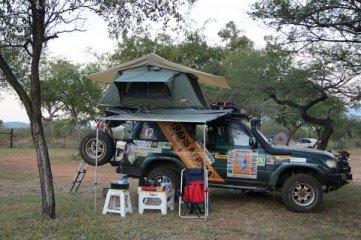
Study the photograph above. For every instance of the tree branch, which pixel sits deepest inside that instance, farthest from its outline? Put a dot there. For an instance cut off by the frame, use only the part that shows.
(12, 80)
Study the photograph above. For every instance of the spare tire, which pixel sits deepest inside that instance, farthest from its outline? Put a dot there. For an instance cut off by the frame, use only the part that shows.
(106, 148)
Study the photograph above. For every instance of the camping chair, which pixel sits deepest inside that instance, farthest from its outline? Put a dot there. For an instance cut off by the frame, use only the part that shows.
(193, 193)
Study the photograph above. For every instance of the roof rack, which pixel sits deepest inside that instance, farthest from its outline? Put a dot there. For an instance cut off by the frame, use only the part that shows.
(236, 109)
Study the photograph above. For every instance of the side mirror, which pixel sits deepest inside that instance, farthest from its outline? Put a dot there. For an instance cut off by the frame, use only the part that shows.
(256, 123)
(252, 142)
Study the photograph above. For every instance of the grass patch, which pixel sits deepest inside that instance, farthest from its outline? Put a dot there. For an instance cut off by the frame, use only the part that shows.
(56, 154)
(17, 151)
(9, 174)
(233, 214)
(64, 155)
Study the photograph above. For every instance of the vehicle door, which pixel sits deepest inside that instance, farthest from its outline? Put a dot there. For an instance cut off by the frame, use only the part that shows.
(238, 158)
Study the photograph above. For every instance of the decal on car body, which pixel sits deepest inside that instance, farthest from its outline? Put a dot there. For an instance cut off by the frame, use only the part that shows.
(190, 153)
(242, 163)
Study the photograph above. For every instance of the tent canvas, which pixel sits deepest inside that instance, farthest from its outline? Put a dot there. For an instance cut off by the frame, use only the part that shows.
(152, 59)
(149, 87)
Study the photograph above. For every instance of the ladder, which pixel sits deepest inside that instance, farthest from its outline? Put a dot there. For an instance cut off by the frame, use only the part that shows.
(79, 176)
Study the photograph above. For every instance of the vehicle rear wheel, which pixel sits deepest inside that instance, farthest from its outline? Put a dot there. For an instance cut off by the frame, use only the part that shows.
(106, 148)
(160, 174)
(301, 193)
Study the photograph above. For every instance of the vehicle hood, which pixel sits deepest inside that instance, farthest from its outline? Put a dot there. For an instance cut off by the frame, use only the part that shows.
(303, 152)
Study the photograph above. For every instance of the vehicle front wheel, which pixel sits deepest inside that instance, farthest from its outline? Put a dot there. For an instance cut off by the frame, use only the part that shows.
(160, 174)
(88, 149)
(301, 193)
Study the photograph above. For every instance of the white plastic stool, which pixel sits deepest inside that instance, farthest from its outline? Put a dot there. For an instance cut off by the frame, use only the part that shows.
(155, 200)
(124, 199)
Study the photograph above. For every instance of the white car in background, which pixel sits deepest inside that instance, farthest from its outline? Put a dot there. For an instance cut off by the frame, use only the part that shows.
(306, 142)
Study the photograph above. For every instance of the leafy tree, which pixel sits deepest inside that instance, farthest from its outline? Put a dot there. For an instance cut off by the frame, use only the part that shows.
(313, 21)
(327, 34)
(316, 83)
(230, 34)
(249, 71)
(308, 87)
(65, 89)
(330, 27)
(27, 26)
(49, 94)
(136, 46)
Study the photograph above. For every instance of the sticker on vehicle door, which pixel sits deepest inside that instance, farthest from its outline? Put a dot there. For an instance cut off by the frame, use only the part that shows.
(242, 163)
(261, 161)
(191, 153)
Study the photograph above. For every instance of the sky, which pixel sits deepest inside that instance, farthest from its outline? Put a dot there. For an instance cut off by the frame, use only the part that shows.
(75, 46)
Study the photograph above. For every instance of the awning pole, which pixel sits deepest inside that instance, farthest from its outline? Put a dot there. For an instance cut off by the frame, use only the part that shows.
(96, 166)
(205, 173)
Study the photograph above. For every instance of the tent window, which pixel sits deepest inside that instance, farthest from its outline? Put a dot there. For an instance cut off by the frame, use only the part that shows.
(144, 90)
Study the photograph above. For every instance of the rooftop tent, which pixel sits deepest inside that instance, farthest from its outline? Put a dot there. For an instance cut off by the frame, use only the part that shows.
(154, 87)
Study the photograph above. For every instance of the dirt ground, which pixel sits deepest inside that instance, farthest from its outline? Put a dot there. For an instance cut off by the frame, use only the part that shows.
(65, 171)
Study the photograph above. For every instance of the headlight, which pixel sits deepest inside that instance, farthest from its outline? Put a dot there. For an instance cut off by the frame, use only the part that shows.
(331, 163)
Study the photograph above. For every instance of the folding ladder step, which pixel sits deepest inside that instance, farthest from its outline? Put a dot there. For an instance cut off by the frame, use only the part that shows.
(79, 176)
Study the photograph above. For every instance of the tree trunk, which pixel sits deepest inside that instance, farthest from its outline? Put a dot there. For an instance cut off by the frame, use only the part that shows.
(46, 177)
(325, 135)
(326, 123)
(77, 126)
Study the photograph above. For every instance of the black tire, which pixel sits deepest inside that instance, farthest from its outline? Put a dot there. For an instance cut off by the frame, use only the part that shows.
(157, 175)
(106, 148)
(301, 193)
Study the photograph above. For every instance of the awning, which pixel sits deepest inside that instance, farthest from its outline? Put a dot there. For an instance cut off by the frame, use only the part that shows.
(185, 116)
(107, 76)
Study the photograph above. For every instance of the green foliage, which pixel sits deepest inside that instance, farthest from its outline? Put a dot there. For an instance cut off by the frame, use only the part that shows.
(123, 16)
(234, 41)
(324, 33)
(137, 46)
(347, 128)
(252, 73)
(67, 91)
(303, 92)
(312, 20)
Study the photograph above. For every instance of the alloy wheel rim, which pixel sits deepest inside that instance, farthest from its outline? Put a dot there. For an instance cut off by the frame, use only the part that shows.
(91, 148)
(303, 194)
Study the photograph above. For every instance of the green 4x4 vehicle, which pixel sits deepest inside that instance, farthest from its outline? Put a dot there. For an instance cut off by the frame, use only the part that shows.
(237, 155)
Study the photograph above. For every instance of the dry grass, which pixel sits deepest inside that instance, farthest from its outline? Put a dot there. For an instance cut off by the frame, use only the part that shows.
(233, 215)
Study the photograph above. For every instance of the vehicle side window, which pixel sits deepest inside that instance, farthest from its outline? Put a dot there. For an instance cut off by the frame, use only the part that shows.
(151, 131)
(239, 137)
(218, 135)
